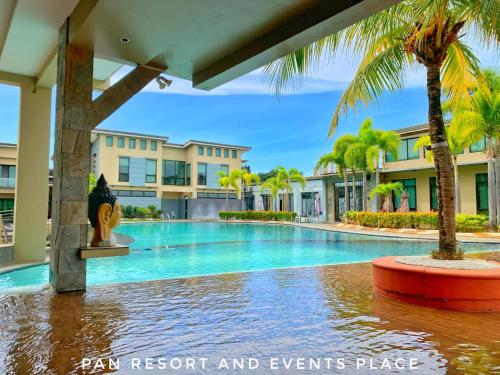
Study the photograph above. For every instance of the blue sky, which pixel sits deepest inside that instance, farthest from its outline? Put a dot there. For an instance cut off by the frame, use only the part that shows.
(290, 130)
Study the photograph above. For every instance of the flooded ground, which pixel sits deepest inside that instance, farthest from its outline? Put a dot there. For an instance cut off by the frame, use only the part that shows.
(312, 313)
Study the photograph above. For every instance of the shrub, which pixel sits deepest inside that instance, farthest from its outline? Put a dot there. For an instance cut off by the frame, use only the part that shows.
(414, 220)
(129, 211)
(257, 215)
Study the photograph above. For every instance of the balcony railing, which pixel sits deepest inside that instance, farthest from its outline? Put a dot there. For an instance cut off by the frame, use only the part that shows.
(7, 182)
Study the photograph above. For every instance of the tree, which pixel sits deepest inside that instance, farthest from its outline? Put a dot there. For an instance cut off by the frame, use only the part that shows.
(274, 184)
(390, 42)
(287, 177)
(92, 181)
(246, 179)
(355, 157)
(386, 191)
(228, 181)
(482, 119)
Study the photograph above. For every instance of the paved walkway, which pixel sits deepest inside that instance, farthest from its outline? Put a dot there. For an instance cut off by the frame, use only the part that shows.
(481, 237)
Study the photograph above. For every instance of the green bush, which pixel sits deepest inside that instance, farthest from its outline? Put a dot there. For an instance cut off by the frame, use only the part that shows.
(128, 212)
(258, 215)
(414, 220)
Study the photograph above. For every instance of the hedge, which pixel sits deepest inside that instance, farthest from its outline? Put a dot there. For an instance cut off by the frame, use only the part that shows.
(414, 220)
(258, 215)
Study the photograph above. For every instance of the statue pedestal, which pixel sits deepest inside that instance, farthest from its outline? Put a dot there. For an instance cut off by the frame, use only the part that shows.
(101, 252)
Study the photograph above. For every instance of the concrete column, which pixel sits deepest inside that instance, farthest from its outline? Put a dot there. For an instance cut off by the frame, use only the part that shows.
(32, 176)
(71, 165)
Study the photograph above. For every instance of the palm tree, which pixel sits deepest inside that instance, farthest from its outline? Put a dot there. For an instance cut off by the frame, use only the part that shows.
(287, 177)
(274, 184)
(482, 119)
(389, 42)
(458, 137)
(228, 181)
(246, 179)
(355, 157)
(386, 191)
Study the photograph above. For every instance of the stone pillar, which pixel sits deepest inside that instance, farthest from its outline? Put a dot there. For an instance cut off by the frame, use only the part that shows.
(71, 165)
(32, 176)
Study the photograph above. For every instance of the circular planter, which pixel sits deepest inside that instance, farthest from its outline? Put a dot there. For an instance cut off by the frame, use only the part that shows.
(442, 288)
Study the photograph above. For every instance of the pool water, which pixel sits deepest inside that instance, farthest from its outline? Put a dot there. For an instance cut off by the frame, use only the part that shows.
(177, 250)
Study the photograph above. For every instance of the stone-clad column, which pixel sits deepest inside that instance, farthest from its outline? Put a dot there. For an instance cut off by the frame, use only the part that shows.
(71, 165)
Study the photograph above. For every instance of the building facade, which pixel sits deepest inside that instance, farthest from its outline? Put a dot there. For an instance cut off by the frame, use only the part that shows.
(8, 155)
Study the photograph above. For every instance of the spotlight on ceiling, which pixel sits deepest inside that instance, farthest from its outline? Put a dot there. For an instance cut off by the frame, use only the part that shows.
(163, 82)
(124, 39)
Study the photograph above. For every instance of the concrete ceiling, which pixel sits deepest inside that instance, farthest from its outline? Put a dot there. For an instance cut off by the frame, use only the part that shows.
(208, 42)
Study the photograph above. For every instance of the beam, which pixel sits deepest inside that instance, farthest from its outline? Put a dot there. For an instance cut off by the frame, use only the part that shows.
(15, 79)
(114, 97)
(325, 18)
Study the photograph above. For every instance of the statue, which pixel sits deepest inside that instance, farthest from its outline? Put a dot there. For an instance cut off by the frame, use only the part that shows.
(104, 214)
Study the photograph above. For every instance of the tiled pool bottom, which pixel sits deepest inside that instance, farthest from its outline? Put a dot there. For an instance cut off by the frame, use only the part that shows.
(316, 312)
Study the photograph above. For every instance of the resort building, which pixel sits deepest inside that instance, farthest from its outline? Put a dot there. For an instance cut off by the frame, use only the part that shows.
(147, 170)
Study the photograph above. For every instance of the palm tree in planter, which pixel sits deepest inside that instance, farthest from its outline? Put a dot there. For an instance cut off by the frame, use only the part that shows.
(412, 32)
(247, 179)
(386, 191)
(274, 184)
(482, 119)
(229, 181)
(287, 177)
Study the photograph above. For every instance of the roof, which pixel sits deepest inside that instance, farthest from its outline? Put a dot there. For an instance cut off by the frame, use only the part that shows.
(126, 133)
(209, 43)
(204, 143)
(416, 128)
(4, 144)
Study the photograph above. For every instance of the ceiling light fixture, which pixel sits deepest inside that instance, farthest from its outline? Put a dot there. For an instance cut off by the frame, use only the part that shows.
(124, 39)
(163, 82)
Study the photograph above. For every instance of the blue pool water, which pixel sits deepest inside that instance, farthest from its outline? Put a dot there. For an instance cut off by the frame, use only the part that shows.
(174, 250)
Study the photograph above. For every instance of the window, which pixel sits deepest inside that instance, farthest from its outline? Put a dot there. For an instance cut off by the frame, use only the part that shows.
(134, 193)
(120, 142)
(143, 144)
(234, 154)
(131, 143)
(109, 140)
(482, 193)
(154, 146)
(217, 195)
(308, 207)
(224, 168)
(410, 185)
(217, 152)
(479, 145)
(226, 153)
(6, 204)
(188, 174)
(209, 151)
(202, 174)
(406, 151)
(200, 150)
(7, 176)
(173, 172)
(151, 171)
(123, 172)
(433, 193)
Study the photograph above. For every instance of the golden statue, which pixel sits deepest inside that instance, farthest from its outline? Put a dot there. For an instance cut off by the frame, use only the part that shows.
(104, 214)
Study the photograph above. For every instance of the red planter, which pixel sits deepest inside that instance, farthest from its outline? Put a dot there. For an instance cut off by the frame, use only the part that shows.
(451, 289)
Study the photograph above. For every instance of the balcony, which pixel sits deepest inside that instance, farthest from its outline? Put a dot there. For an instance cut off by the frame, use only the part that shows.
(7, 182)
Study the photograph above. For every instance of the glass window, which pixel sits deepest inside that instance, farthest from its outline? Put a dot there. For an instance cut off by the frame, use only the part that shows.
(406, 151)
(143, 144)
(482, 193)
(217, 152)
(154, 146)
(173, 172)
(188, 174)
(8, 176)
(433, 193)
(6, 204)
(200, 150)
(224, 168)
(410, 185)
(234, 154)
(209, 151)
(131, 143)
(202, 174)
(109, 140)
(120, 142)
(151, 171)
(123, 172)
(479, 145)
(226, 153)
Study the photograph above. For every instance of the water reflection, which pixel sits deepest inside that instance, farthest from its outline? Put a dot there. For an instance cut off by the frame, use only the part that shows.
(307, 312)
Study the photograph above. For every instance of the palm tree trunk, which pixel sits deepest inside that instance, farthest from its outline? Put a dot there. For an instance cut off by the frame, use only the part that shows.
(377, 183)
(365, 192)
(346, 192)
(242, 195)
(445, 180)
(497, 178)
(227, 199)
(492, 201)
(458, 204)
(354, 190)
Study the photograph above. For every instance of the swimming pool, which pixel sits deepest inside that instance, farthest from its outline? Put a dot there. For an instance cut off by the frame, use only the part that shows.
(176, 250)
